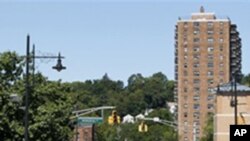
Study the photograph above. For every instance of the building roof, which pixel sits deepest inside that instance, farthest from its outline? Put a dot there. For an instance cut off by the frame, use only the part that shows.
(227, 87)
(203, 16)
(128, 119)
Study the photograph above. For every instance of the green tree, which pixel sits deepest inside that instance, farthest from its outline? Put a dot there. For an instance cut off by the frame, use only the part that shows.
(208, 131)
(50, 111)
(50, 106)
(11, 126)
(246, 80)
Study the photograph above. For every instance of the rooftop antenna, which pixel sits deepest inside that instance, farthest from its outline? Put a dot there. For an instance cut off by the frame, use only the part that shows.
(202, 10)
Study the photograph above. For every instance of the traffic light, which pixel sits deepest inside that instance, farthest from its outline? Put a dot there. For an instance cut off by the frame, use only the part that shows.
(110, 120)
(114, 118)
(143, 127)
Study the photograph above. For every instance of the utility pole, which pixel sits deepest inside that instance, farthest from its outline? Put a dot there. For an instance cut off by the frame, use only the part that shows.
(235, 100)
(27, 89)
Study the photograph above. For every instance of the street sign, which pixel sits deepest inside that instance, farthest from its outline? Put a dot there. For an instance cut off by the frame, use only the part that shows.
(89, 120)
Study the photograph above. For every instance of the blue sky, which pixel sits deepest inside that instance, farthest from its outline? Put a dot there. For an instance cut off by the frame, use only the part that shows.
(119, 37)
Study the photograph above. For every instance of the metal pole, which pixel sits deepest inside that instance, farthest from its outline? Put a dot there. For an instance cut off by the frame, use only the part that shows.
(27, 89)
(33, 66)
(77, 133)
(103, 114)
(235, 100)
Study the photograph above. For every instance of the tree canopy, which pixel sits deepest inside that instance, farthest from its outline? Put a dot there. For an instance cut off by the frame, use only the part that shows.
(52, 102)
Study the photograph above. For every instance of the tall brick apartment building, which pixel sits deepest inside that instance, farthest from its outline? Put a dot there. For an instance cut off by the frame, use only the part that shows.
(207, 53)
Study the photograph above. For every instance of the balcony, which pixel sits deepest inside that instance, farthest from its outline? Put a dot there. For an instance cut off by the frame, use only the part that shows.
(233, 55)
(233, 40)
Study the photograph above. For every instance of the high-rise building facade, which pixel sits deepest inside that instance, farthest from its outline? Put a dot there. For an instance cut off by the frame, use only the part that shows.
(207, 53)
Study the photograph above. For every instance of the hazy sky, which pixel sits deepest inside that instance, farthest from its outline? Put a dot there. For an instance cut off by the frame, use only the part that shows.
(118, 37)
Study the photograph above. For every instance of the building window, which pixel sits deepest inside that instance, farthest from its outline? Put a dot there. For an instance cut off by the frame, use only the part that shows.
(196, 57)
(221, 73)
(196, 24)
(196, 73)
(210, 90)
(196, 81)
(210, 40)
(210, 73)
(196, 122)
(210, 49)
(210, 81)
(221, 40)
(210, 97)
(185, 65)
(196, 115)
(210, 57)
(196, 106)
(185, 81)
(185, 123)
(221, 81)
(185, 49)
(210, 32)
(196, 40)
(196, 90)
(221, 65)
(185, 57)
(185, 39)
(221, 48)
(185, 90)
(196, 31)
(185, 106)
(221, 57)
(196, 49)
(185, 31)
(185, 43)
(210, 24)
(185, 115)
(197, 132)
(196, 65)
(196, 97)
(210, 65)
(185, 73)
(210, 106)
(185, 25)
(185, 97)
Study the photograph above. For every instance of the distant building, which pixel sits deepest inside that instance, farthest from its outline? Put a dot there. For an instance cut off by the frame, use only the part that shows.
(84, 133)
(207, 53)
(172, 106)
(128, 119)
(138, 117)
(224, 111)
(84, 128)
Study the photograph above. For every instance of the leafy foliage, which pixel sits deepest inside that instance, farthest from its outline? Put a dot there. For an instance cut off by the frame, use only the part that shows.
(52, 102)
(246, 80)
(209, 129)
(50, 106)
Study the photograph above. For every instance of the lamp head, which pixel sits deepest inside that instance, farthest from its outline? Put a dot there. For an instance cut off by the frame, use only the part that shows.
(59, 65)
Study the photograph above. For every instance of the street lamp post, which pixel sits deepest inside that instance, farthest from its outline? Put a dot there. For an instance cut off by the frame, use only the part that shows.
(28, 57)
